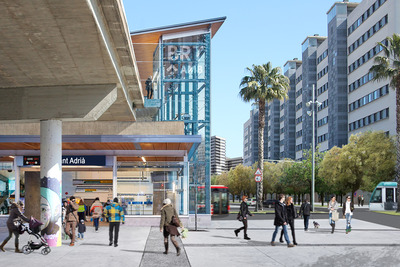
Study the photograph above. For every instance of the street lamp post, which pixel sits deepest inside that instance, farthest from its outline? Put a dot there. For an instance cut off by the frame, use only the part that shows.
(313, 103)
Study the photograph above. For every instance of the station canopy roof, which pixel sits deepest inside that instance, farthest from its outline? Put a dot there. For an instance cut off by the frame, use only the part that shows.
(129, 148)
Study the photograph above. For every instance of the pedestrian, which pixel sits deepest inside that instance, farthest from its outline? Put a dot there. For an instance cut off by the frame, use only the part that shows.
(13, 224)
(305, 211)
(81, 229)
(108, 203)
(291, 215)
(115, 215)
(149, 87)
(96, 210)
(71, 219)
(333, 213)
(242, 216)
(166, 226)
(281, 220)
(359, 200)
(81, 210)
(362, 200)
(348, 207)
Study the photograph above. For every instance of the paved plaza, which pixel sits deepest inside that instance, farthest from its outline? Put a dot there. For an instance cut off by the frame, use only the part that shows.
(367, 245)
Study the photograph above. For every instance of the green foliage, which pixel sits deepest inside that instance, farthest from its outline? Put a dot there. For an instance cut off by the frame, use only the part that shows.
(264, 84)
(294, 179)
(388, 64)
(366, 160)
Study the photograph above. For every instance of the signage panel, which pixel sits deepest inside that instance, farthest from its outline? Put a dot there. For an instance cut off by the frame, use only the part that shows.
(70, 160)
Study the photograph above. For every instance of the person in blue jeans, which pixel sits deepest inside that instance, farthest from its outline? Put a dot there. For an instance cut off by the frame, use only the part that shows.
(332, 207)
(348, 207)
(281, 220)
(305, 211)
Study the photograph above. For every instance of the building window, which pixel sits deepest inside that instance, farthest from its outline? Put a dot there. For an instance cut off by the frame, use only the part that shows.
(380, 115)
(322, 89)
(323, 138)
(299, 79)
(299, 92)
(369, 98)
(379, 25)
(299, 147)
(323, 56)
(299, 106)
(361, 81)
(322, 121)
(322, 73)
(324, 104)
(367, 56)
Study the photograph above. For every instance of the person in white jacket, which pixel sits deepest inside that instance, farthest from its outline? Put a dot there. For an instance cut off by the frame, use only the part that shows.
(332, 207)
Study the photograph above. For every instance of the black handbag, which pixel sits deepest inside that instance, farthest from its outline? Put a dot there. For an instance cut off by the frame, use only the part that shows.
(239, 217)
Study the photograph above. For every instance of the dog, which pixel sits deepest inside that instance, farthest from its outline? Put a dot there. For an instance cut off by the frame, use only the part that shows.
(316, 225)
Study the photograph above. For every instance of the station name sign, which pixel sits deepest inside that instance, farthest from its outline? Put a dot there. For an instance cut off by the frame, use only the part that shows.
(70, 160)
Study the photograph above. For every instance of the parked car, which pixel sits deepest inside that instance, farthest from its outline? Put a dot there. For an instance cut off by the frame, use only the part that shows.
(251, 201)
(270, 203)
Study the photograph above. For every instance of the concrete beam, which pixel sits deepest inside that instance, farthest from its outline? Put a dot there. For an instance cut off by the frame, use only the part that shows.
(100, 128)
(73, 102)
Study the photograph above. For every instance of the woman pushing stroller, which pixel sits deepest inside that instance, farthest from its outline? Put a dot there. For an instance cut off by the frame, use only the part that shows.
(13, 224)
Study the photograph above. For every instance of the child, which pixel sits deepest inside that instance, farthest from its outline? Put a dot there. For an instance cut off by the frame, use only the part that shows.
(81, 229)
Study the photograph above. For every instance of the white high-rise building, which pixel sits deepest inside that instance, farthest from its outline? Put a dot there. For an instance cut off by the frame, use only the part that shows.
(218, 155)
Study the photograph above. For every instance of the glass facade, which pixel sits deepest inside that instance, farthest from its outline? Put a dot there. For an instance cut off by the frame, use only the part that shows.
(142, 187)
(181, 72)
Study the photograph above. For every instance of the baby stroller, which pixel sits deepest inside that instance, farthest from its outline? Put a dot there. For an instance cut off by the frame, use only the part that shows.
(33, 230)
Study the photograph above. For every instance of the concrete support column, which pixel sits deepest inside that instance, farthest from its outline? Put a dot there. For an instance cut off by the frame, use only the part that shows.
(51, 180)
(17, 181)
(185, 186)
(115, 169)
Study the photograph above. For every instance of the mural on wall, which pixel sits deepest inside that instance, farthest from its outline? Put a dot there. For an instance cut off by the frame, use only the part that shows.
(50, 206)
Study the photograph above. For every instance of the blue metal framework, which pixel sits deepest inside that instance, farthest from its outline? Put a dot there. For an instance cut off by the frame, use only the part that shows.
(182, 83)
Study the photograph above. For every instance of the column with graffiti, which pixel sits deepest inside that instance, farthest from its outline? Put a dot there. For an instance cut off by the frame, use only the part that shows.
(50, 180)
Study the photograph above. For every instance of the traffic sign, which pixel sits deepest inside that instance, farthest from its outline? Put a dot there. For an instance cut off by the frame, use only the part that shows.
(258, 178)
(258, 172)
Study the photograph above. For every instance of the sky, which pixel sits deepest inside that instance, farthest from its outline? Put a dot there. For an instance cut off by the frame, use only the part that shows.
(254, 32)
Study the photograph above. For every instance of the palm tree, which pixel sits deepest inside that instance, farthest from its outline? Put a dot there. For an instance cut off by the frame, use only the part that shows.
(264, 84)
(388, 67)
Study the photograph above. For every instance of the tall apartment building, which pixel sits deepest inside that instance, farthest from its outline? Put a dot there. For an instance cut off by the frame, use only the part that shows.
(288, 113)
(371, 105)
(218, 154)
(338, 66)
(250, 138)
(299, 113)
(233, 162)
(272, 133)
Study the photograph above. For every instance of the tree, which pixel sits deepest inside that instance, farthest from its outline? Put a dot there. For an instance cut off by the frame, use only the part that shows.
(366, 160)
(388, 67)
(271, 175)
(294, 179)
(264, 84)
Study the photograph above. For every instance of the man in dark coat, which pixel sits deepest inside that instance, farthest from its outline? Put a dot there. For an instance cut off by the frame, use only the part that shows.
(305, 211)
(15, 213)
(243, 214)
(281, 220)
